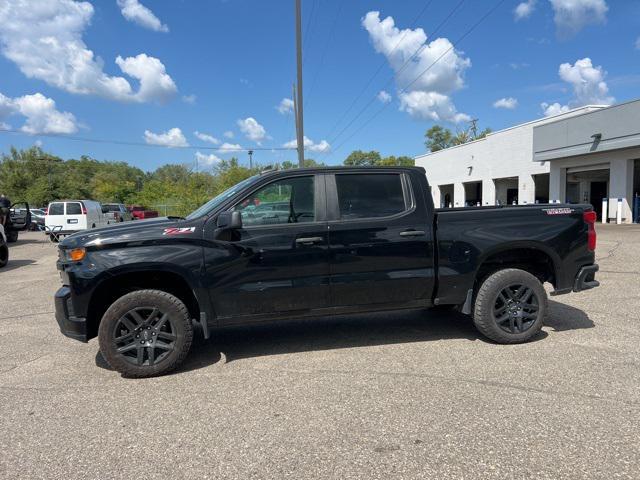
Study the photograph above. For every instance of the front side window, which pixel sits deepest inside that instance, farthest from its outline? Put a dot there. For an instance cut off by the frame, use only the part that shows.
(286, 201)
(370, 195)
(74, 209)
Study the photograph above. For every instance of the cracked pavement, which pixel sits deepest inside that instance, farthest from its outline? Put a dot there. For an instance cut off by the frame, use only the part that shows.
(411, 395)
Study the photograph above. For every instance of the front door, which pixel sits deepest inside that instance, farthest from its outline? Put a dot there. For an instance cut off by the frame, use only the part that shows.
(381, 247)
(279, 260)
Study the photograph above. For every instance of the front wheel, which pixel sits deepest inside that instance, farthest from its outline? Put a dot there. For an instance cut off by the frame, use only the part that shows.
(4, 253)
(145, 333)
(510, 306)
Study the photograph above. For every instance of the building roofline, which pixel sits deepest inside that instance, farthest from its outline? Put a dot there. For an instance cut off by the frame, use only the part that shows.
(530, 122)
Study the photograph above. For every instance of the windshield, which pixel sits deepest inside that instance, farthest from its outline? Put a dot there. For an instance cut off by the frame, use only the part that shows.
(217, 200)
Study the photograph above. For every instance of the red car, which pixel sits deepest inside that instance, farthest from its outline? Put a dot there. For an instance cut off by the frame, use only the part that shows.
(138, 212)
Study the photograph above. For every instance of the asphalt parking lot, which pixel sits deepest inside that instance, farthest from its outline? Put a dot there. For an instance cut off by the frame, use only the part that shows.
(417, 395)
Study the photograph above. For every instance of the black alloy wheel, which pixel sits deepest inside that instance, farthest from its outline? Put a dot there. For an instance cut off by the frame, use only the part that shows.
(516, 308)
(144, 336)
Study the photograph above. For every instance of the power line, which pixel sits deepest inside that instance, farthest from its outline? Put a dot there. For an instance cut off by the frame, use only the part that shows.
(453, 45)
(140, 144)
(308, 29)
(324, 51)
(378, 70)
(390, 80)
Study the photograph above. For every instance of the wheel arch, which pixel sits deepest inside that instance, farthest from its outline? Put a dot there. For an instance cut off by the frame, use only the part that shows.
(114, 286)
(533, 257)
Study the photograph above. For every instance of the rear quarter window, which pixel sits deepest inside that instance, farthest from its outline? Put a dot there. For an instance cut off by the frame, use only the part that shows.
(56, 209)
(74, 209)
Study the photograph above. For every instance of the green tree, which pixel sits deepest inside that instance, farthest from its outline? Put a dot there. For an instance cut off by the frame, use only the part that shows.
(359, 158)
(438, 138)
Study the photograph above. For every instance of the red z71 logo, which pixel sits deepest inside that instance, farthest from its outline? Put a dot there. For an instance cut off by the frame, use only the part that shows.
(179, 231)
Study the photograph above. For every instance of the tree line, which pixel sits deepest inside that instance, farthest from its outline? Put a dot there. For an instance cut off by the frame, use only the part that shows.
(38, 177)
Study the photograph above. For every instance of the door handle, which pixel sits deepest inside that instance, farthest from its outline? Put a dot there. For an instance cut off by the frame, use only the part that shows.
(412, 233)
(308, 240)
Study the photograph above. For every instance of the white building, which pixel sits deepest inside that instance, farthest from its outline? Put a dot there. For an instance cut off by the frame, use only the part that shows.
(580, 156)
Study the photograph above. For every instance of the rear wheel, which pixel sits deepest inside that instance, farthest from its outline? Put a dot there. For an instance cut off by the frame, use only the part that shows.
(510, 307)
(145, 333)
(12, 236)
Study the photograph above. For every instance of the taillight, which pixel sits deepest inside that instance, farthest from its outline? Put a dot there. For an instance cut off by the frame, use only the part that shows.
(84, 210)
(590, 219)
(46, 212)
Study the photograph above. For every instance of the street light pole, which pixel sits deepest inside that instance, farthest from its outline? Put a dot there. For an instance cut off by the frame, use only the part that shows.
(299, 112)
(251, 159)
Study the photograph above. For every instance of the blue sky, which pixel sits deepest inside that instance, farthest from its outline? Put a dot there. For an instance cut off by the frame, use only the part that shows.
(119, 68)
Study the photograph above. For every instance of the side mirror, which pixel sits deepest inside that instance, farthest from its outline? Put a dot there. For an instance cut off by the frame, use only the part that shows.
(229, 221)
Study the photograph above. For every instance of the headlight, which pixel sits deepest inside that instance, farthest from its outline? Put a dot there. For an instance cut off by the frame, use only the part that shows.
(75, 254)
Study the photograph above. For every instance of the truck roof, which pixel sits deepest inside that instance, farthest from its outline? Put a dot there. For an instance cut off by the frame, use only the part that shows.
(342, 168)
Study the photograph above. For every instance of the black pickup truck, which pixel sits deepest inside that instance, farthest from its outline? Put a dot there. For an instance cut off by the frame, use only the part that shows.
(311, 243)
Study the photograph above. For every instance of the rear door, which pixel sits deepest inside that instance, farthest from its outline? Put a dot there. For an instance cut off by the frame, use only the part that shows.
(75, 216)
(380, 242)
(55, 217)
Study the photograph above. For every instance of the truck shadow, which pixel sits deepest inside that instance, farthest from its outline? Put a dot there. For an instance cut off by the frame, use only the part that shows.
(13, 264)
(237, 343)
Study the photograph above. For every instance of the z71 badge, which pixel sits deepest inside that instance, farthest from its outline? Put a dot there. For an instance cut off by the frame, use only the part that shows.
(179, 231)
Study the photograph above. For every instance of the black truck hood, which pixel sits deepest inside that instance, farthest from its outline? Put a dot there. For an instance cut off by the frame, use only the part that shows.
(134, 231)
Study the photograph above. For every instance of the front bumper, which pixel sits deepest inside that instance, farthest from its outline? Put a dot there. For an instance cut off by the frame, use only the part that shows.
(70, 325)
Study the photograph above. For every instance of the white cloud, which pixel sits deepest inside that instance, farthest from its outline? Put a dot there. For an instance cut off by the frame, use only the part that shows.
(44, 39)
(384, 96)
(171, 138)
(228, 134)
(524, 9)
(190, 99)
(637, 43)
(309, 145)
(5, 126)
(207, 160)
(230, 147)
(509, 103)
(155, 84)
(588, 84)
(40, 113)
(570, 16)
(205, 137)
(252, 129)
(285, 106)
(553, 109)
(431, 106)
(135, 12)
(427, 97)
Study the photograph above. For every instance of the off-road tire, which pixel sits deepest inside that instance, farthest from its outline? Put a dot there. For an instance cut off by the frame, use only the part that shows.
(4, 253)
(166, 303)
(487, 298)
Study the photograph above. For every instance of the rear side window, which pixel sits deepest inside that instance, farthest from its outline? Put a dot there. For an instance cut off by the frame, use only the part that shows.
(74, 209)
(370, 195)
(56, 209)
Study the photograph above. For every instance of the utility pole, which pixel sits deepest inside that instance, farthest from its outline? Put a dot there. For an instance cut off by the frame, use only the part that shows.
(474, 128)
(251, 159)
(298, 98)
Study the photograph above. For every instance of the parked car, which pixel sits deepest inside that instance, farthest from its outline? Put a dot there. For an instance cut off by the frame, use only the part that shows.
(117, 212)
(139, 212)
(70, 216)
(17, 220)
(354, 240)
(37, 219)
